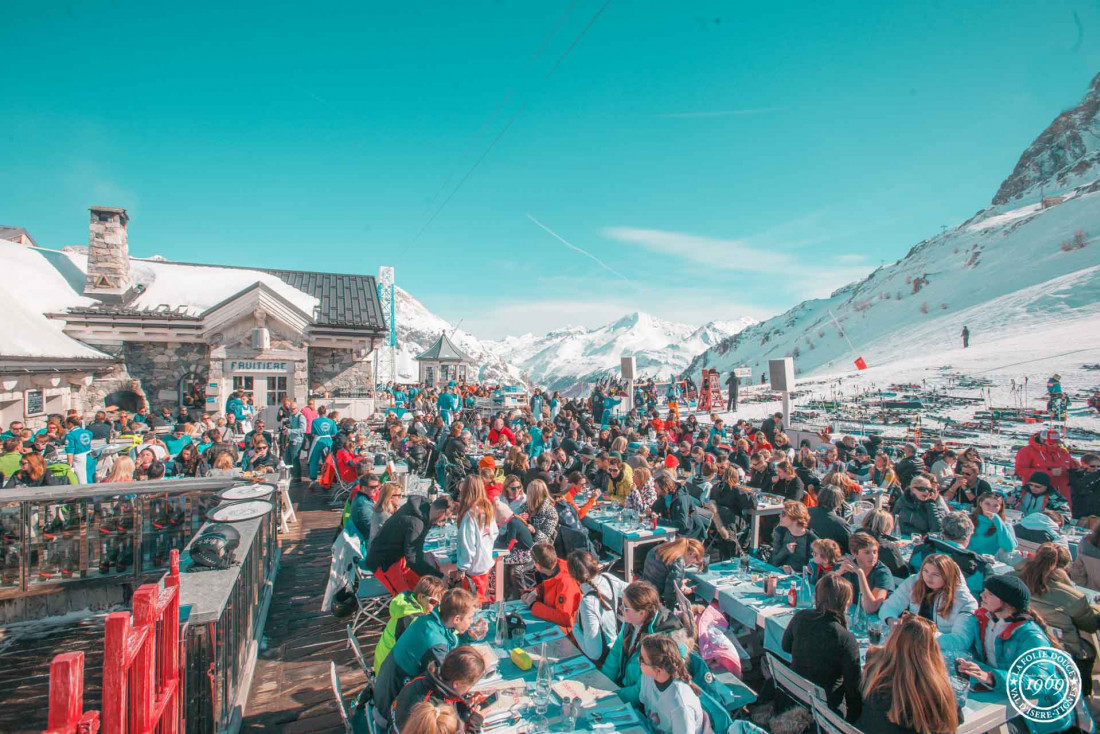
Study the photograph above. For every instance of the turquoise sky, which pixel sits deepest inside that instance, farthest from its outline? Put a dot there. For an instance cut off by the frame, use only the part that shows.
(719, 158)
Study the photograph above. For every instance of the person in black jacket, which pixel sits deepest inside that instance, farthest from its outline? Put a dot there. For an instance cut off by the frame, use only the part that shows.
(451, 682)
(909, 466)
(396, 556)
(732, 501)
(824, 520)
(771, 425)
(666, 564)
(1084, 486)
(675, 507)
(822, 648)
(740, 455)
(919, 510)
(786, 483)
(792, 537)
(761, 475)
(804, 470)
(879, 524)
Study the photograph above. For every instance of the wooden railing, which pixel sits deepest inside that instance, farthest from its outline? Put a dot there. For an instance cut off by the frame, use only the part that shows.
(142, 669)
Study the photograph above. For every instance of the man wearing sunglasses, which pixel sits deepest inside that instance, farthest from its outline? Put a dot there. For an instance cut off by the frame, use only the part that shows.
(965, 486)
(1084, 485)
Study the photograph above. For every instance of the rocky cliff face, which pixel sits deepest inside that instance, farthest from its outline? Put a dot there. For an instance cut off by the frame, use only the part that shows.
(1065, 154)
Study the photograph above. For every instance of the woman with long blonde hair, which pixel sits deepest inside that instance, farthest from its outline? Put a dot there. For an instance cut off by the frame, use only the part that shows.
(906, 682)
(389, 500)
(121, 471)
(938, 593)
(539, 513)
(477, 530)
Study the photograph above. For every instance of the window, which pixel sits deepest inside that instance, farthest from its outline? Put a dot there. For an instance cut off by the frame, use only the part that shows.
(243, 384)
(429, 375)
(276, 390)
(192, 391)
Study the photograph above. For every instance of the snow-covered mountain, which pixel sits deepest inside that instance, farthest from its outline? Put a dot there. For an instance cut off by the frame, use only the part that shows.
(418, 328)
(1029, 263)
(568, 357)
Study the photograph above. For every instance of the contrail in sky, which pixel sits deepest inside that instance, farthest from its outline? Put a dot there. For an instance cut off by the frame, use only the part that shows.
(587, 254)
(722, 113)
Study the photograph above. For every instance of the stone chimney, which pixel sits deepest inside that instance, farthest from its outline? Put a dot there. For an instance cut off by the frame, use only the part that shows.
(109, 277)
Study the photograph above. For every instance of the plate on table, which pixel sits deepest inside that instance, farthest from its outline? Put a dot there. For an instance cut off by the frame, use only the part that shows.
(246, 492)
(240, 511)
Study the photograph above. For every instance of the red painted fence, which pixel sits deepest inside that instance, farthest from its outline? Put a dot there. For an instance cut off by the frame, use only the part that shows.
(142, 669)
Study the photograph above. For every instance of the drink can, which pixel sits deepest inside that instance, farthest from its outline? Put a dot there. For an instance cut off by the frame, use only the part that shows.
(770, 583)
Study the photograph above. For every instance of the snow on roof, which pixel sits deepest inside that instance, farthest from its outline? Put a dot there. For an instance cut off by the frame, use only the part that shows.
(31, 287)
(444, 350)
(196, 287)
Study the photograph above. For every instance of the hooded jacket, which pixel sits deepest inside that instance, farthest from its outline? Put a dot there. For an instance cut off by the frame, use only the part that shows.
(426, 640)
(1038, 528)
(597, 625)
(558, 598)
(677, 510)
(666, 577)
(1029, 503)
(404, 609)
(1040, 455)
(1065, 607)
(402, 536)
(825, 652)
(974, 567)
(917, 517)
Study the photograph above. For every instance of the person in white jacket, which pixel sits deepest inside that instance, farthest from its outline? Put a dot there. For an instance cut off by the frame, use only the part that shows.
(938, 593)
(477, 531)
(669, 698)
(597, 622)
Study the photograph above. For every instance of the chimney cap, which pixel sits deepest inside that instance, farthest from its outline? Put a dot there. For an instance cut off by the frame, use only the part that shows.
(111, 209)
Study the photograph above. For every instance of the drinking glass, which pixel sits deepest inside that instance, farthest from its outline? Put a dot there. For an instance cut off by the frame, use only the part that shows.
(874, 633)
(961, 687)
(745, 564)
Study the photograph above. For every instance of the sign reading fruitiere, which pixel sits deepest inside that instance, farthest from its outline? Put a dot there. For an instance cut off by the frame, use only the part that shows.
(233, 366)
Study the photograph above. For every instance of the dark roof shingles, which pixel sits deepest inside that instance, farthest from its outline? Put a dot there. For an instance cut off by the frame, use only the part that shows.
(346, 300)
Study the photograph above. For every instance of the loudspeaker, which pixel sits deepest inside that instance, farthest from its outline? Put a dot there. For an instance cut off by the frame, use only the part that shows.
(627, 367)
(781, 373)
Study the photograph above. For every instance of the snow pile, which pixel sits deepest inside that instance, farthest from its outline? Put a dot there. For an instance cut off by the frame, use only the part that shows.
(566, 358)
(1009, 270)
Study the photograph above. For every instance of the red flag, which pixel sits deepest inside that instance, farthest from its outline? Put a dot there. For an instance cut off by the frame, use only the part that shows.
(860, 364)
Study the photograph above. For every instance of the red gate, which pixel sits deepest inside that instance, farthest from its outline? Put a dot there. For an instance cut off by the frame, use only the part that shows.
(142, 669)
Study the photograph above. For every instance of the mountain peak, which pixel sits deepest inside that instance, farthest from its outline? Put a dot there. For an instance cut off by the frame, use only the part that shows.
(1064, 155)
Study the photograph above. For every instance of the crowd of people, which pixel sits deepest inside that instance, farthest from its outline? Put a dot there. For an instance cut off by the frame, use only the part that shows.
(520, 481)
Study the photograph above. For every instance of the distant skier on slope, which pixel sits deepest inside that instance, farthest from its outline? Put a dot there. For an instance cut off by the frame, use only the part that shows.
(966, 336)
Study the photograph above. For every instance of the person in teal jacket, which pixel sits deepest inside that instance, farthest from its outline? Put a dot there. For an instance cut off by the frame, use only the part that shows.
(996, 635)
(427, 640)
(536, 446)
(992, 533)
(609, 404)
(447, 402)
(399, 397)
(642, 615)
(323, 429)
(235, 406)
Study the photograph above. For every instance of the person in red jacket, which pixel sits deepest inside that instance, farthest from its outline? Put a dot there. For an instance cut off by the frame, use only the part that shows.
(558, 596)
(500, 431)
(1048, 456)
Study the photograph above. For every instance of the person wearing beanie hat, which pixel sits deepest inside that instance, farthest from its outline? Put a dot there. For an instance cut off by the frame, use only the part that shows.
(671, 462)
(1039, 494)
(1002, 630)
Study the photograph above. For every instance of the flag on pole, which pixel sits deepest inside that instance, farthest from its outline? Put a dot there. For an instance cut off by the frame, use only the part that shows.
(860, 364)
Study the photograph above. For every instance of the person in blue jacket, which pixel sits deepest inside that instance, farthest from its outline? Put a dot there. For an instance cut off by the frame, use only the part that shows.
(78, 445)
(537, 401)
(536, 446)
(447, 403)
(996, 635)
(399, 397)
(235, 406)
(609, 404)
(993, 533)
(323, 429)
(642, 615)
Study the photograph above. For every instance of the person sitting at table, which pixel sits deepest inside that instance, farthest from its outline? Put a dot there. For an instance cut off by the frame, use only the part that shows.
(1002, 630)
(666, 565)
(1039, 527)
(761, 475)
(965, 486)
(189, 463)
(449, 683)
(597, 621)
(937, 592)
(427, 640)
(512, 492)
(396, 554)
(620, 479)
(433, 718)
(675, 508)
(879, 524)
(1040, 494)
(642, 615)
(870, 579)
(993, 533)
(954, 542)
(906, 688)
(792, 537)
(576, 483)
(822, 648)
(539, 513)
(667, 696)
(1063, 606)
(572, 534)
(825, 522)
(558, 594)
(644, 494)
(824, 557)
(404, 609)
(518, 540)
(261, 460)
(477, 532)
(1086, 566)
(733, 502)
(786, 483)
(387, 502)
(918, 511)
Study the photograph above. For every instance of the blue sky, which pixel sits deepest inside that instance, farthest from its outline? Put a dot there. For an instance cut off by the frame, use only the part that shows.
(719, 159)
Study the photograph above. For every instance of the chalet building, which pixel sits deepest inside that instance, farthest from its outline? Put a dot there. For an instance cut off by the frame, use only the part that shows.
(98, 327)
(443, 362)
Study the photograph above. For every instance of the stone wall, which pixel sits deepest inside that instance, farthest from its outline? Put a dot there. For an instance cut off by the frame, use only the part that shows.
(158, 367)
(108, 255)
(332, 370)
